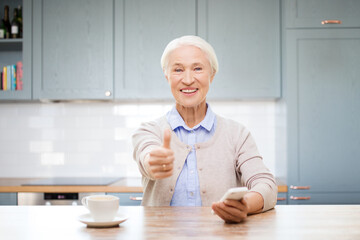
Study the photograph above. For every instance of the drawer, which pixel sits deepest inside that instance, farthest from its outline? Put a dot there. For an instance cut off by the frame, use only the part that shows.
(282, 199)
(305, 197)
(311, 13)
(128, 199)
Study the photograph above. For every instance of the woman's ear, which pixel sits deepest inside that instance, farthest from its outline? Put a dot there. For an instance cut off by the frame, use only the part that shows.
(167, 78)
(212, 76)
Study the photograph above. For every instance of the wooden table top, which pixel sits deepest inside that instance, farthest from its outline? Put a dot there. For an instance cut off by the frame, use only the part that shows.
(283, 222)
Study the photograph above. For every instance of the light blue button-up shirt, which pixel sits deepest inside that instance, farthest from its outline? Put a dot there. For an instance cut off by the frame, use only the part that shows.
(187, 189)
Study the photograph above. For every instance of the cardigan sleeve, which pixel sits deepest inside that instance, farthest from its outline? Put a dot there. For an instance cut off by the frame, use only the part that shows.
(252, 171)
(145, 139)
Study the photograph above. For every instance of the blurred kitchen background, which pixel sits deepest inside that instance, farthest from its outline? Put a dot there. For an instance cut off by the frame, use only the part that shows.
(81, 75)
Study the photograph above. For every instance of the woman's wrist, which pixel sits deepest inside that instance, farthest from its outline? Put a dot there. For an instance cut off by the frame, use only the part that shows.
(255, 202)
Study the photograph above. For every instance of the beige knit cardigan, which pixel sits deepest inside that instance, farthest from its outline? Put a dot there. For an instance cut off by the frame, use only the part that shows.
(228, 159)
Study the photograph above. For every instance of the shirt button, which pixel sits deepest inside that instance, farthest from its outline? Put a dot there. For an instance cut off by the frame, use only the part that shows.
(192, 172)
(191, 193)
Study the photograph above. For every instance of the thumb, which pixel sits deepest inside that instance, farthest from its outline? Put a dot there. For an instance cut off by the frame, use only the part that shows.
(167, 138)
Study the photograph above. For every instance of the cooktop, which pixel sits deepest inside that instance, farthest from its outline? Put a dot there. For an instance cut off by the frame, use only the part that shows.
(71, 181)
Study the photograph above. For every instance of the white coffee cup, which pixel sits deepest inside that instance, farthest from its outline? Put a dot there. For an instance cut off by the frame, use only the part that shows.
(102, 207)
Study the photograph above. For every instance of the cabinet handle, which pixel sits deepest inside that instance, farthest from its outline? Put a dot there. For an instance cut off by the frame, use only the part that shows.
(108, 93)
(300, 187)
(135, 198)
(281, 198)
(299, 198)
(330, 22)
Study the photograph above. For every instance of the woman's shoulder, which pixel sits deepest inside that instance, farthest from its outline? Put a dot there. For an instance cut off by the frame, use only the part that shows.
(234, 131)
(230, 124)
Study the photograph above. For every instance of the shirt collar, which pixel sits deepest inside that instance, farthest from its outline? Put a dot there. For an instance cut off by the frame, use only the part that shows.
(175, 120)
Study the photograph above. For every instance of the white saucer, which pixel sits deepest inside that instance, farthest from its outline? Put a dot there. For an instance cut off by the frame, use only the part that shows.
(90, 222)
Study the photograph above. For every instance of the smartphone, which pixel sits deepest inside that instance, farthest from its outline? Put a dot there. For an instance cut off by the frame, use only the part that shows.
(235, 193)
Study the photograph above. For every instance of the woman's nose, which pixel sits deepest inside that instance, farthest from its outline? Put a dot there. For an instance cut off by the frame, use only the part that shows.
(188, 78)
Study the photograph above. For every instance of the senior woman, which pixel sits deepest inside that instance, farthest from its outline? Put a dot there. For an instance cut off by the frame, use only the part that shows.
(192, 156)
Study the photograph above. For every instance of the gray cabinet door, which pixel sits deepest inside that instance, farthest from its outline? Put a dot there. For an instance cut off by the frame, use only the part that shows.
(8, 198)
(323, 99)
(311, 13)
(14, 50)
(73, 49)
(128, 198)
(246, 37)
(142, 30)
(306, 198)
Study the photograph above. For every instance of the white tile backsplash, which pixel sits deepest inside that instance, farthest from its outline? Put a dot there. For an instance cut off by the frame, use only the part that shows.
(94, 139)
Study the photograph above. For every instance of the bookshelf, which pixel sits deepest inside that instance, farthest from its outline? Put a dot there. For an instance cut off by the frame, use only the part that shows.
(14, 50)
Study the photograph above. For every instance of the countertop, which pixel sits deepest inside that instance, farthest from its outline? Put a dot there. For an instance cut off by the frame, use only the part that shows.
(283, 222)
(123, 185)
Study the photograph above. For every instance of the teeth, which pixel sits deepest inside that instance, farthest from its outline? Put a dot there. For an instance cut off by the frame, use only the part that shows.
(188, 90)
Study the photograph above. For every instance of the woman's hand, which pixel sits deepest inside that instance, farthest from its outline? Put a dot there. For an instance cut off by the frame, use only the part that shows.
(159, 162)
(233, 211)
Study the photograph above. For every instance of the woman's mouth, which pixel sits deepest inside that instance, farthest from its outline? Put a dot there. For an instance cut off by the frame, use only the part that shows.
(189, 90)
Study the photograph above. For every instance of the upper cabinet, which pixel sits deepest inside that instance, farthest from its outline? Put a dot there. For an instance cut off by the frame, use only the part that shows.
(246, 38)
(17, 50)
(111, 49)
(73, 49)
(142, 30)
(322, 13)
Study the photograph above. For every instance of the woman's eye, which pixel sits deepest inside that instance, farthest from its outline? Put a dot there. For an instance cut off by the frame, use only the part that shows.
(198, 69)
(178, 70)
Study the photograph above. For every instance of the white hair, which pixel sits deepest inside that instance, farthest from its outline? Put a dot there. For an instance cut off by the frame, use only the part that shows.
(190, 40)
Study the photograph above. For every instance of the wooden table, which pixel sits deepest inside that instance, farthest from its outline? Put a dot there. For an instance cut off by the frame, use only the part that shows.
(284, 222)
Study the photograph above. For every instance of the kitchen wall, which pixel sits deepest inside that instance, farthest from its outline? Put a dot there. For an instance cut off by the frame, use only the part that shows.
(94, 139)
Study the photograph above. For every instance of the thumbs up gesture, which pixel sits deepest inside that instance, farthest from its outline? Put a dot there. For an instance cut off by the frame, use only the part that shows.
(159, 163)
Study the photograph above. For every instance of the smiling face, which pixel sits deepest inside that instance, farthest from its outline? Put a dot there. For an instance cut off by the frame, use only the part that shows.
(189, 74)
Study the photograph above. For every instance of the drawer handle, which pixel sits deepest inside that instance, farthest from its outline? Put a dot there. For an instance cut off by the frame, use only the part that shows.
(281, 198)
(300, 187)
(135, 198)
(299, 198)
(330, 22)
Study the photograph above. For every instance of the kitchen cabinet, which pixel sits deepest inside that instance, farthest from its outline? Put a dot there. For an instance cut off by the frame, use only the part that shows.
(128, 199)
(111, 49)
(8, 198)
(142, 31)
(73, 49)
(14, 50)
(282, 198)
(246, 37)
(311, 14)
(306, 198)
(323, 102)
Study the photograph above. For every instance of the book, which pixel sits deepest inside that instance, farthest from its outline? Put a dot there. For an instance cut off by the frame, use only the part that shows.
(19, 76)
(1, 81)
(4, 79)
(8, 78)
(13, 77)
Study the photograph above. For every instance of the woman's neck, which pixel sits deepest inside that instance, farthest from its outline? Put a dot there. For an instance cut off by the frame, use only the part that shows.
(192, 116)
